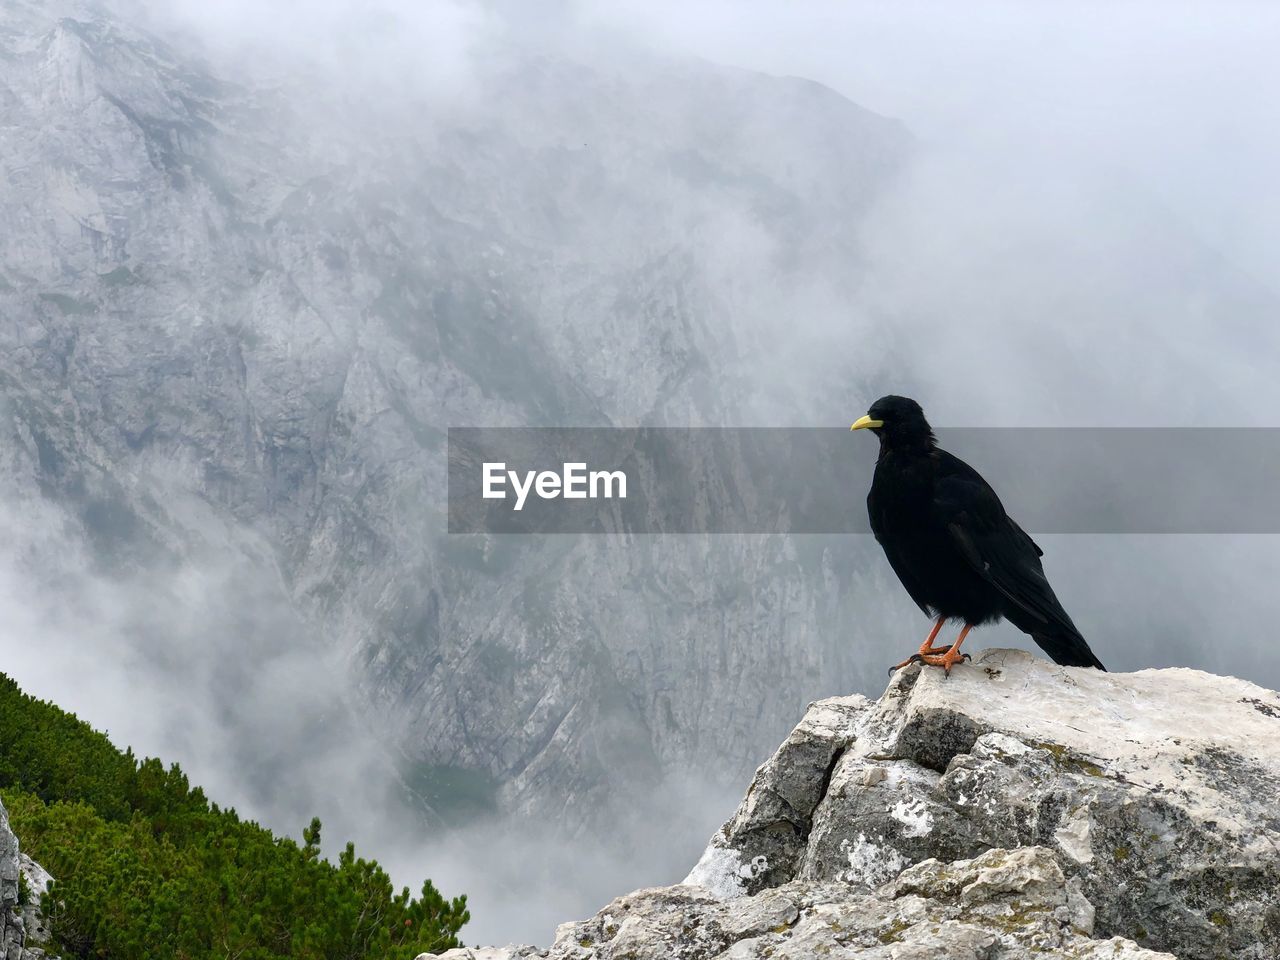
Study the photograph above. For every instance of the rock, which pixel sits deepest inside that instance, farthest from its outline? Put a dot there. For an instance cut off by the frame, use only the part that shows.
(1004, 903)
(482, 953)
(22, 927)
(12, 931)
(508, 952)
(38, 880)
(772, 826)
(1017, 809)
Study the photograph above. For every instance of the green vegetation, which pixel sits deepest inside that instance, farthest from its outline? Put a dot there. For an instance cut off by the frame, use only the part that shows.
(147, 868)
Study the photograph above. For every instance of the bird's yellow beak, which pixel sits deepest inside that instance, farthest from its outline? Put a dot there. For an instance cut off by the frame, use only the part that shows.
(866, 422)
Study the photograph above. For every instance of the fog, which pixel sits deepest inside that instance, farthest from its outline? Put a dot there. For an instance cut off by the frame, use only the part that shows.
(1166, 99)
(1086, 234)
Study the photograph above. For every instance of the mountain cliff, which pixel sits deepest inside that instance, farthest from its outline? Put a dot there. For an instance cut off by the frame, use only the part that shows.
(238, 312)
(1016, 810)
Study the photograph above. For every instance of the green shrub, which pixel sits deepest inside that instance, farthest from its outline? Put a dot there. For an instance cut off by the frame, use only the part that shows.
(146, 867)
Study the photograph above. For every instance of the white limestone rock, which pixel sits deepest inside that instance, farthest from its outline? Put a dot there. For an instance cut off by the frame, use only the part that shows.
(483, 953)
(38, 880)
(1016, 810)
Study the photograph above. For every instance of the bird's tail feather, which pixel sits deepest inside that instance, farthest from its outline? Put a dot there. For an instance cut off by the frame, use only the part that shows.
(1067, 647)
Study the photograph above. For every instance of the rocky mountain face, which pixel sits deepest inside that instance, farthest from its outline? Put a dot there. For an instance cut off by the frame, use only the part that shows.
(238, 314)
(1017, 809)
(22, 929)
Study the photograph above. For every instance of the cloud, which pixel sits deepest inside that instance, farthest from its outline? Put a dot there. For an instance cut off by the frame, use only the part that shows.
(1170, 94)
(424, 52)
(202, 662)
(1087, 235)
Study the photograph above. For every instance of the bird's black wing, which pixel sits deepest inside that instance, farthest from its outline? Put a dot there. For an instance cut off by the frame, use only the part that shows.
(906, 573)
(1004, 555)
(991, 543)
(898, 560)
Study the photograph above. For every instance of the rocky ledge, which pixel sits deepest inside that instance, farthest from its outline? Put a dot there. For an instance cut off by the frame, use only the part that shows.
(1017, 809)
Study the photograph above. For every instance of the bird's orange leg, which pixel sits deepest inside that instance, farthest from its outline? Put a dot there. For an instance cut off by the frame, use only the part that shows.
(951, 656)
(926, 649)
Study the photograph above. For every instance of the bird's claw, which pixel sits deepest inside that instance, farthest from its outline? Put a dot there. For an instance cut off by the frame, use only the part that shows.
(946, 667)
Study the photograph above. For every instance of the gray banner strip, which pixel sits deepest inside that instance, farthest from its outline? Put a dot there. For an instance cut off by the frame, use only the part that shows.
(815, 480)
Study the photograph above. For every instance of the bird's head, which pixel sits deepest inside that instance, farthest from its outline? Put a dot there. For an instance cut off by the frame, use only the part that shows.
(897, 421)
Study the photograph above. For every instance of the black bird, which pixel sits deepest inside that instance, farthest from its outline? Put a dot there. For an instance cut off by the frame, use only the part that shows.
(947, 537)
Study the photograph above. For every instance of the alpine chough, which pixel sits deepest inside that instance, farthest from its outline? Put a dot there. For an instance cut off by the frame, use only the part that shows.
(949, 540)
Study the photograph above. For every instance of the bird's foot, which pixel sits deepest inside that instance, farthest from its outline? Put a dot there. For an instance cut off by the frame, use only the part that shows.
(944, 657)
(947, 660)
(923, 656)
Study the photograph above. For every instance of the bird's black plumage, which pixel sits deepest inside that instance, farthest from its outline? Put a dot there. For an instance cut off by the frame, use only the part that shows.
(949, 540)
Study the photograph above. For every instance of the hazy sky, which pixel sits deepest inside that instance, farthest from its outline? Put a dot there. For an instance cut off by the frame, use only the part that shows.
(1176, 95)
(1077, 166)
(1087, 235)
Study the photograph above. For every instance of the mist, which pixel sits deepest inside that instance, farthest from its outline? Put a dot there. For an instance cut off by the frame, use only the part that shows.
(1084, 232)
